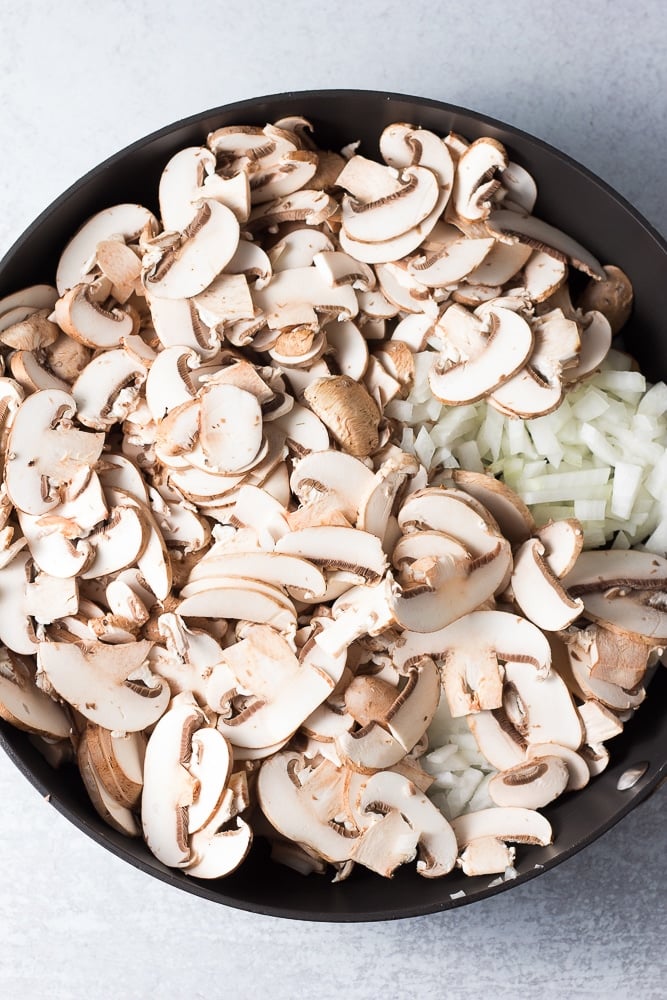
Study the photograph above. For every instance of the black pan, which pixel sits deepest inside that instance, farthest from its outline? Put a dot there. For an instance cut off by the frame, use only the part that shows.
(569, 197)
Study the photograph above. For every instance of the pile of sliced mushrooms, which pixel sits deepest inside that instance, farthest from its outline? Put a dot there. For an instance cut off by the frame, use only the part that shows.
(226, 593)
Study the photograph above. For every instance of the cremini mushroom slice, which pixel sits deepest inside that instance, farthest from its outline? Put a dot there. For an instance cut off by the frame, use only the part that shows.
(543, 273)
(403, 145)
(476, 180)
(279, 692)
(512, 227)
(456, 258)
(24, 705)
(503, 746)
(532, 784)
(297, 295)
(83, 313)
(113, 812)
(596, 337)
(509, 823)
(33, 297)
(33, 333)
(541, 708)
(509, 345)
(537, 591)
(48, 458)
(600, 723)
(32, 375)
(247, 600)
(190, 177)
(513, 516)
(335, 547)
(230, 427)
(119, 762)
(78, 257)
(108, 684)
(563, 541)
(169, 787)
(48, 598)
(471, 649)
(177, 323)
(198, 256)
(274, 568)
(437, 847)
(106, 389)
(309, 206)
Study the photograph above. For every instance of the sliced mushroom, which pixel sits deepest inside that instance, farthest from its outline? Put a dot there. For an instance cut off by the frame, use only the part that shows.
(612, 296)
(510, 227)
(486, 856)
(537, 590)
(23, 704)
(532, 784)
(513, 823)
(106, 683)
(126, 221)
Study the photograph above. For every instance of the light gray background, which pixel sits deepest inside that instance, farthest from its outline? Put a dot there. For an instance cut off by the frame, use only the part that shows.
(78, 81)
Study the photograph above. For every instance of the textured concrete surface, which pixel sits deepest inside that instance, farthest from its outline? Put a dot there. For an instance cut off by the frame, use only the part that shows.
(79, 81)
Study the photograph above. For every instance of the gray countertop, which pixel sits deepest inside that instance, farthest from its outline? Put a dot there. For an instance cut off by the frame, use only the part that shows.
(78, 82)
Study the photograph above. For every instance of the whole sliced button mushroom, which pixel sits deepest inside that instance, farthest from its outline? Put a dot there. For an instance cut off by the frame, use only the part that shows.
(455, 259)
(106, 683)
(537, 591)
(531, 784)
(498, 740)
(471, 650)
(126, 221)
(203, 249)
(475, 180)
(83, 314)
(507, 349)
(437, 848)
(47, 456)
(106, 389)
(169, 787)
(540, 707)
(508, 823)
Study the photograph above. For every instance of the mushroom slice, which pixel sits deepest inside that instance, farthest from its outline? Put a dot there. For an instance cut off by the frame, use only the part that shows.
(188, 178)
(24, 705)
(596, 337)
(621, 659)
(119, 762)
(124, 221)
(106, 389)
(543, 273)
(335, 547)
(437, 847)
(120, 265)
(348, 348)
(117, 543)
(509, 345)
(177, 323)
(290, 796)
(512, 823)
(604, 569)
(267, 567)
(471, 649)
(116, 815)
(518, 186)
(32, 375)
(500, 264)
(225, 300)
(246, 600)
(526, 395)
(203, 249)
(349, 412)
(278, 691)
(612, 296)
(82, 314)
(210, 765)
(531, 784)
(397, 727)
(339, 268)
(599, 722)
(458, 588)
(537, 591)
(298, 248)
(540, 707)
(230, 427)
(387, 251)
(53, 551)
(33, 333)
(404, 146)
(563, 541)
(577, 768)
(108, 684)
(512, 227)
(453, 512)
(297, 295)
(474, 180)
(34, 297)
(47, 457)
(376, 506)
(498, 740)
(513, 516)
(169, 383)
(583, 653)
(309, 206)
(456, 258)
(169, 787)
(48, 598)
(486, 856)
(218, 852)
